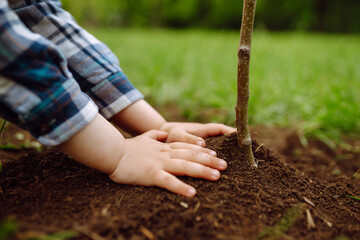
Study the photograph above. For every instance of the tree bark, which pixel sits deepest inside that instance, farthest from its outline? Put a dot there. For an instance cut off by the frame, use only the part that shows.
(241, 108)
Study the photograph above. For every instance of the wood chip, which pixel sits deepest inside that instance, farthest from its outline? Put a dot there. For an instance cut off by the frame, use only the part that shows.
(310, 220)
(308, 201)
(147, 233)
(197, 206)
(184, 204)
(105, 210)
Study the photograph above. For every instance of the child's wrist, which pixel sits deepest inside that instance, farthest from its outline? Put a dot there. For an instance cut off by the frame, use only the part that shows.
(138, 118)
(99, 145)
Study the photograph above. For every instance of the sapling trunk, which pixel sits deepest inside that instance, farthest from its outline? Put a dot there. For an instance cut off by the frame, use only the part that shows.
(241, 108)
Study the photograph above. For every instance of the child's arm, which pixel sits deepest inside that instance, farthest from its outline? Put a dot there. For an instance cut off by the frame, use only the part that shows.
(140, 117)
(96, 70)
(143, 160)
(55, 110)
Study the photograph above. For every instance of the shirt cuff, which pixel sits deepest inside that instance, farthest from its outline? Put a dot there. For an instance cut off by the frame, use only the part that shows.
(71, 126)
(114, 94)
(56, 121)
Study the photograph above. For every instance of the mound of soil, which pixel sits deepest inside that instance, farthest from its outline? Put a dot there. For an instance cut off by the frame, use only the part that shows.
(49, 192)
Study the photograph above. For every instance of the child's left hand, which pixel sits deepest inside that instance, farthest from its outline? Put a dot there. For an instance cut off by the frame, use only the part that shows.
(194, 133)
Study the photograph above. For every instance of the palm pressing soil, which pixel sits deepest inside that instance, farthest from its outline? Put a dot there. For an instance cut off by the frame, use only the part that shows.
(49, 192)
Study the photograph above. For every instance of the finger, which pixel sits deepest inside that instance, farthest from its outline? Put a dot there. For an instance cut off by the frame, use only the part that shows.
(183, 167)
(199, 157)
(179, 145)
(190, 138)
(156, 135)
(213, 129)
(173, 184)
(180, 135)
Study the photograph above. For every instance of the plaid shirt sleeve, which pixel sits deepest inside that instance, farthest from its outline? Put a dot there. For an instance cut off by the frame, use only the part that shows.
(91, 62)
(37, 91)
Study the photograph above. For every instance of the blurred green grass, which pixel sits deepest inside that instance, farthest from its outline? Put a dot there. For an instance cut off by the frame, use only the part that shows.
(311, 81)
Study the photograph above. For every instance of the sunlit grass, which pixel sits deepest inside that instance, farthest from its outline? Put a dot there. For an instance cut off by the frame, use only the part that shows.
(311, 81)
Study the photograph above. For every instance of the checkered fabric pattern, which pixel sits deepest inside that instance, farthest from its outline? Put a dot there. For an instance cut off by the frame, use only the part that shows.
(55, 76)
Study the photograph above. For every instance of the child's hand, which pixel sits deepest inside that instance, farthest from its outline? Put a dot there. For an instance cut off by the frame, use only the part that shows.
(194, 133)
(147, 161)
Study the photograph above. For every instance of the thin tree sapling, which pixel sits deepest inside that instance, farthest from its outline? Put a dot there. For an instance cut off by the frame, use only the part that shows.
(241, 108)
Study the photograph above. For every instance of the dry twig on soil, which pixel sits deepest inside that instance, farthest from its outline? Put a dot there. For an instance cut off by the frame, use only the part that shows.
(310, 220)
(308, 201)
(147, 233)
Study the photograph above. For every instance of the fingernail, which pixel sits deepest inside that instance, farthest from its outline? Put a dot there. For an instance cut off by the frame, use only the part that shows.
(200, 143)
(191, 192)
(215, 174)
(222, 164)
(213, 153)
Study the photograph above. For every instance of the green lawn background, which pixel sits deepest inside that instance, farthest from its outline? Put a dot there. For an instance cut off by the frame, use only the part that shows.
(310, 81)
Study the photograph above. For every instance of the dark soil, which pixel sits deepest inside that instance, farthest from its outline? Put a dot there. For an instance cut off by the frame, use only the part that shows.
(49, 192)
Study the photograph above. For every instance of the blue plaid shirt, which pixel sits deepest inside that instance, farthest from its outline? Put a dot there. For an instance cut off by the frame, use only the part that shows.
(54, 76)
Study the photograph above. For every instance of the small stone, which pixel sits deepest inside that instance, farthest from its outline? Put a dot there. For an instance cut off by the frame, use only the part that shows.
(184, 204)
(20, 136)
(35, 144)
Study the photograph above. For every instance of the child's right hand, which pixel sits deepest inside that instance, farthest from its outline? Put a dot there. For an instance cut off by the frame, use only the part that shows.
(143, 160)
(146, 160)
